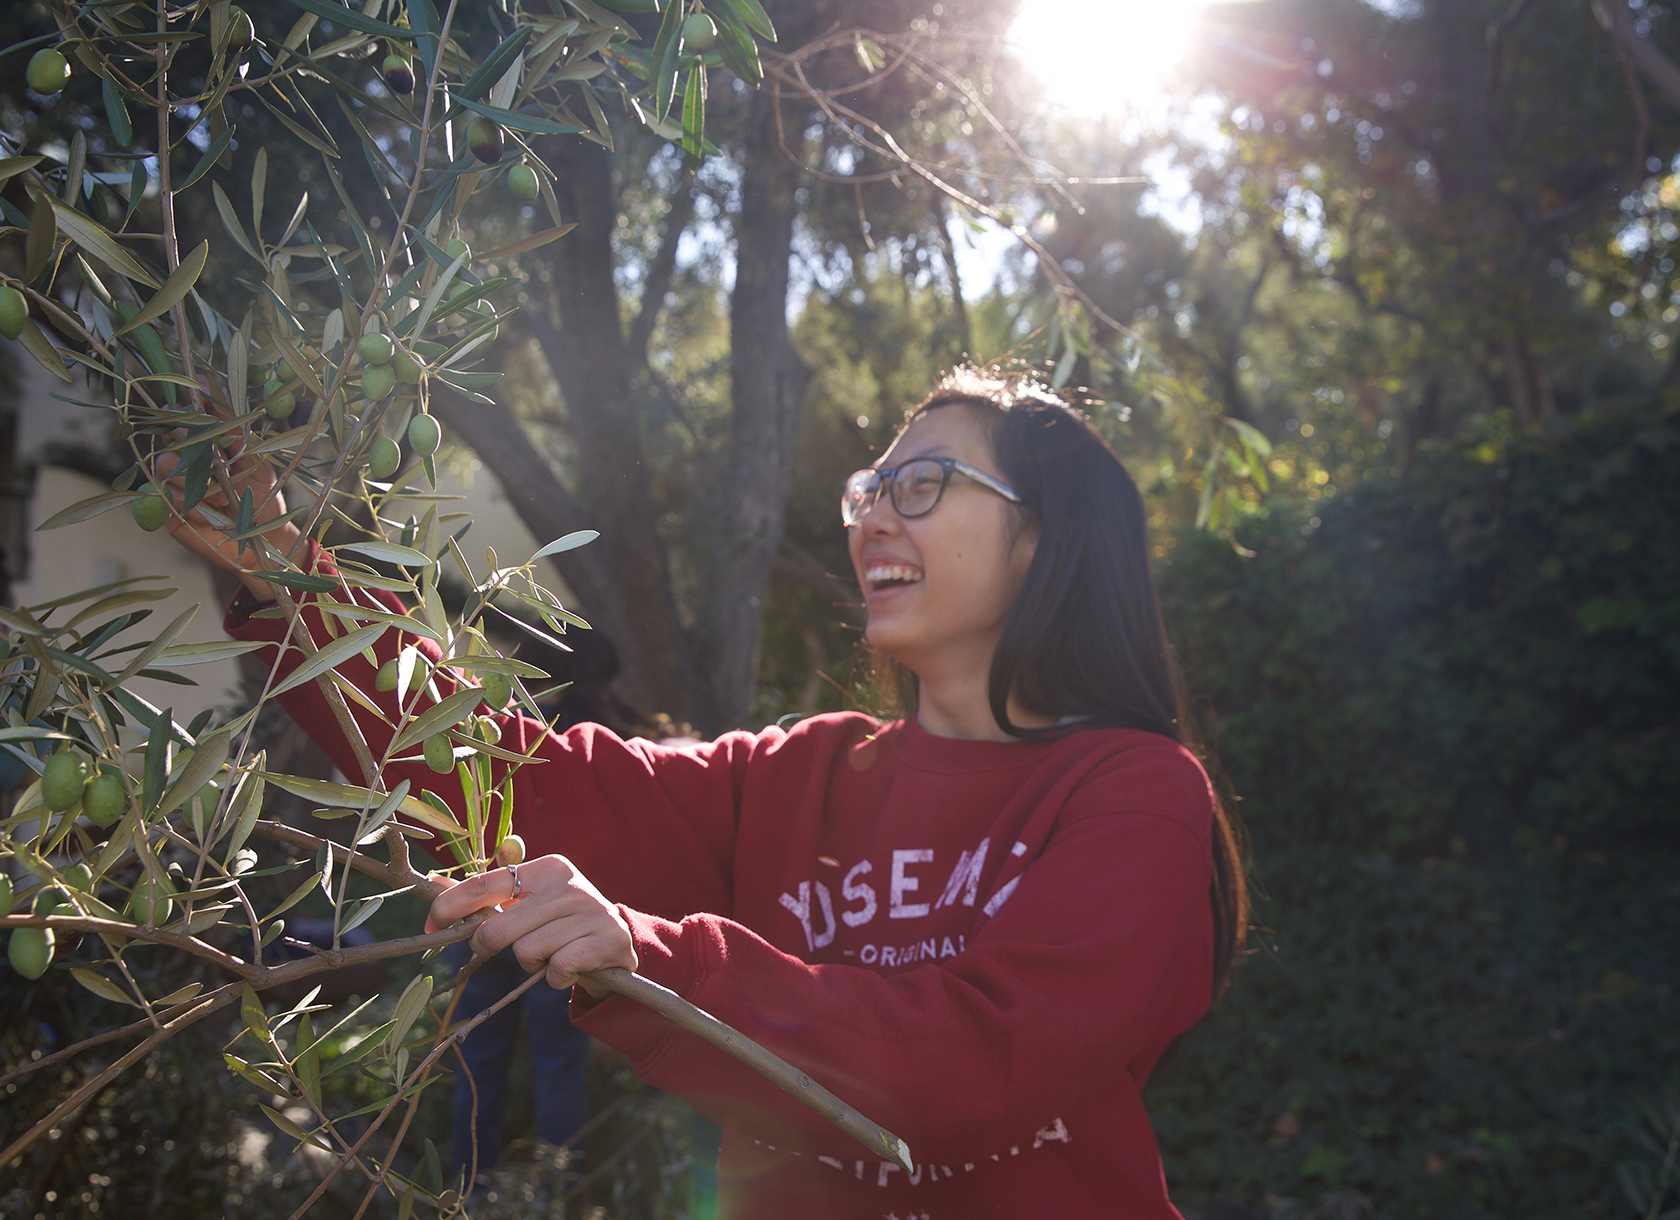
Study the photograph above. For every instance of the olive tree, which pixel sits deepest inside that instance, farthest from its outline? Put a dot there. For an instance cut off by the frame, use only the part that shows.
(136, 833)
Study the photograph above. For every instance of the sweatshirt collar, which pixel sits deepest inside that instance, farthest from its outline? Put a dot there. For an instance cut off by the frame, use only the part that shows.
(916, 747)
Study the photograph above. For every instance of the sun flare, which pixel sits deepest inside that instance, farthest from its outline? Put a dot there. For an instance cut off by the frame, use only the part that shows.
(1103, 56)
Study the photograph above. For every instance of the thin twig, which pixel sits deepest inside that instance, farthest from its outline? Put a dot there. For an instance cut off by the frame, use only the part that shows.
(404, 1086)
(202, 1007)
(1667, 1168)
(116, 927)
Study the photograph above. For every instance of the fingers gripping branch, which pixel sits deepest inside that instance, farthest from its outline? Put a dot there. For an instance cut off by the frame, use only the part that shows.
(561, 919)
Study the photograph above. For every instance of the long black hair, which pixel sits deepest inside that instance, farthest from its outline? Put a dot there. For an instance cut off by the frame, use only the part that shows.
(1083, 642)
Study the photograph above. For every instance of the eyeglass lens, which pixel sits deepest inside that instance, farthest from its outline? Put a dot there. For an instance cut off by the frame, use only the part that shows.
(915, 487)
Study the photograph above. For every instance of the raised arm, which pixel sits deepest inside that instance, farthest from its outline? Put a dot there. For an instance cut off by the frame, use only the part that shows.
(627, 812)
(198, 535)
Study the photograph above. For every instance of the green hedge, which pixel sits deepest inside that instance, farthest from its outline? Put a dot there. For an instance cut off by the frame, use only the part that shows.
(1449, 707)
(1486, 648)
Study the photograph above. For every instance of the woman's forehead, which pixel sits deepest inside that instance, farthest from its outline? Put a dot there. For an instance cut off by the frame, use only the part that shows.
(953, 431)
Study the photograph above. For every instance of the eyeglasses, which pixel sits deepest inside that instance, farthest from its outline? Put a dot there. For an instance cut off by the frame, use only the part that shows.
(914, 487)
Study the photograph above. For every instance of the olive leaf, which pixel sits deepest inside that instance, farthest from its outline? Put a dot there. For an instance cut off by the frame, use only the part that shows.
(178, 284)
(93, 238)
(331, 656)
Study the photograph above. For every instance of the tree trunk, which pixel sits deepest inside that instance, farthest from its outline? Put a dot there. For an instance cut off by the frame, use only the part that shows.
(583, 341)
(542, 502)
(1526, 386)
(768, 391)
(705, 675)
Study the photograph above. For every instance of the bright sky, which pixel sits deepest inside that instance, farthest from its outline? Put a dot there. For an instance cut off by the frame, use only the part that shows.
(1104, 56)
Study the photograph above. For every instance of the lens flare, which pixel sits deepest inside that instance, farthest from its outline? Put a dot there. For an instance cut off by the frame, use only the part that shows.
(1104, 56)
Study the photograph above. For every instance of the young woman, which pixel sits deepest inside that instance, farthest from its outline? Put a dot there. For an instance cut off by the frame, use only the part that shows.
(981, 925)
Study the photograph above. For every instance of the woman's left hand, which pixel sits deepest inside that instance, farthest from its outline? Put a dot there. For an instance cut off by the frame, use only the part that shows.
(558, 921)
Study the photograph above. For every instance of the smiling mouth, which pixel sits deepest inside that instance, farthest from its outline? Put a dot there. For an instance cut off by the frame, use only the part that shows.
(891, 576)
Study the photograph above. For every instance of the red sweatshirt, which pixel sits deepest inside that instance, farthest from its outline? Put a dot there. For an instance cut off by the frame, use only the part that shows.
(982, 946)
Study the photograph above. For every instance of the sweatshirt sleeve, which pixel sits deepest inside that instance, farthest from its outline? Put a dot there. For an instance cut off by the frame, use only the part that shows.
(652, 826)
(1100, 955)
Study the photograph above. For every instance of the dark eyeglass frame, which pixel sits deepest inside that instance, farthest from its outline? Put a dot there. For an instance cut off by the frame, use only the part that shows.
(877, 477)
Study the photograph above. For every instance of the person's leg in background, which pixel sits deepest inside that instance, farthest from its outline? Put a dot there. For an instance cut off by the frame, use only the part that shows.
(559, 1064)
(486, 1052)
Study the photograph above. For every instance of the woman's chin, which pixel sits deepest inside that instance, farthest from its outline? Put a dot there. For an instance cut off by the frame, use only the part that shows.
(887, 636)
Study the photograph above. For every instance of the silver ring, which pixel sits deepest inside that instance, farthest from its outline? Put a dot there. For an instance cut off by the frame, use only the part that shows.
(513, 871)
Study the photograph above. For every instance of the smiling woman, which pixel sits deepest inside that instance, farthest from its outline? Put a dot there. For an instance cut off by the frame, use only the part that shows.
(982, 924)
(1104, 56)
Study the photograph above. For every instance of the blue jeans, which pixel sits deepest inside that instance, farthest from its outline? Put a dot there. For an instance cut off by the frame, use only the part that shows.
(559, 1058)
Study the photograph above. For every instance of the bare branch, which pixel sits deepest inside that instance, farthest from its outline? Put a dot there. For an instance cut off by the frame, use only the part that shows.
(680, 1012)
(1661, 71)
(659, 273)
(201, 1007)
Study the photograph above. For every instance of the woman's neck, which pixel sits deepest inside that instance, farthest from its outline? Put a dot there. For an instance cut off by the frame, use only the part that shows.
(960, 706)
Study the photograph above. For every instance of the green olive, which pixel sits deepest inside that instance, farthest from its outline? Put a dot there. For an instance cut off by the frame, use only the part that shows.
(150, 512)
(78, 877)
(5, 894)
(48, 72)
(498, 689)
(62, 780)
(484, 137)
(280, 400)
(241, 33)
(424, 435)
(511, 851)
(699, 33)
(154, 901)
(104, 799)
(383, 457)
(378, 380)
(522, 181)
(376, 348)
(440, 754)
(386, 678)
(14, 312)
(408, 367)
(454, 248)
(30, 951)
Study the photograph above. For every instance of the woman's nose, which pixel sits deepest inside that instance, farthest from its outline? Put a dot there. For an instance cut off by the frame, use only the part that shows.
(880, 518)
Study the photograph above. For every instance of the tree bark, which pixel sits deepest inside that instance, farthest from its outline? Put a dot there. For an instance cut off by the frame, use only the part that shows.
(583, 341)
(947, 246)
(659, 273)
(706, 674)
(538, 496)
(768, 391)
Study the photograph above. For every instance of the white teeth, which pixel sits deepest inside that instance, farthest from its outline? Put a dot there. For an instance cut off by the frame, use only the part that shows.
(885, 572)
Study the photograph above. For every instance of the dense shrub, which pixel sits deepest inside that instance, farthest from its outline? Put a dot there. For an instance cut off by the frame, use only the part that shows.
(1488, 647)
(1449, 705)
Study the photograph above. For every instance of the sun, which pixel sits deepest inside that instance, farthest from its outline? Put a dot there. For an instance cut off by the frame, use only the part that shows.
(1099, 57)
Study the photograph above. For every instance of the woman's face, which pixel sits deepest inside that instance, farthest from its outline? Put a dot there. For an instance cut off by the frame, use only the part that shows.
(938, 587)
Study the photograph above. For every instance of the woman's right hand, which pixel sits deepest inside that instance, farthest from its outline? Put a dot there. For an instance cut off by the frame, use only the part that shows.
(212, 544)
(558, 921)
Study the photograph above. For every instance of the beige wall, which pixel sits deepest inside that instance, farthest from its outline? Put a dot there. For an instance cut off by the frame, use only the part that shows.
(111, 547)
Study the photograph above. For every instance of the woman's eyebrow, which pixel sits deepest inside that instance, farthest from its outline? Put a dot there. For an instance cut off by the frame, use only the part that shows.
(934, 450)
